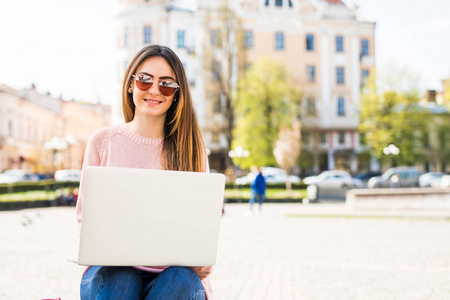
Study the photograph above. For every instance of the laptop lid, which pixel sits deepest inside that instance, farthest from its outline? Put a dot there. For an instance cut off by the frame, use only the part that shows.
(141, 217)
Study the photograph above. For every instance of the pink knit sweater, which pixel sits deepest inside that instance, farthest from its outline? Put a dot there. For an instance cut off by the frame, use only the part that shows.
(116, 147)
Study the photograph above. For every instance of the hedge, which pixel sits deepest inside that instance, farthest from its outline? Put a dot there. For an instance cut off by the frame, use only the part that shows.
(295, 186)
(43, 185)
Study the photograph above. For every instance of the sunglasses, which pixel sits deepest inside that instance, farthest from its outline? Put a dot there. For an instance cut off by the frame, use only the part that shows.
(144, 82)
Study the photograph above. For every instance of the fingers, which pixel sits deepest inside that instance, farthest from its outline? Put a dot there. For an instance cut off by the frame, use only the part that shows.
(202, 272)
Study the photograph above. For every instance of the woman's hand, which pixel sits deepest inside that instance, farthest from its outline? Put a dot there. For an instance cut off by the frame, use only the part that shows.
(202, 272)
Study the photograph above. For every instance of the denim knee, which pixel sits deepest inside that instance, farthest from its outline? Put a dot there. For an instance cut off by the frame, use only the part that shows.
(177, 283)
(111, 283)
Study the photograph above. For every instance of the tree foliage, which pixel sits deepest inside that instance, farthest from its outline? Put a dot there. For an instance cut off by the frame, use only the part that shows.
(287, 149)
(266, 99)
(394, 118)
(288, 146)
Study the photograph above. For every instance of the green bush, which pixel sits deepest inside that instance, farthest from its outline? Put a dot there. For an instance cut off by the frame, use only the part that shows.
(43, 185)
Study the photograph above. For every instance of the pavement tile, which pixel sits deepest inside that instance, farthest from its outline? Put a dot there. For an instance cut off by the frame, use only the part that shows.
(265, 255)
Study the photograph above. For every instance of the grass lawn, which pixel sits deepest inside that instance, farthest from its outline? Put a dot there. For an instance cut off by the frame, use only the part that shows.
(28, 196)
(270, 194)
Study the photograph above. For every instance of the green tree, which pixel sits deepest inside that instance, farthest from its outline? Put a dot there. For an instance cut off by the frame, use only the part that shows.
(267, 98)
(393, 117)
(446, 92)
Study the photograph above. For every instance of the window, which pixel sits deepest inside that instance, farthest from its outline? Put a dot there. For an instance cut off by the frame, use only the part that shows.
(341, 137)
(340, 75)
(248, 39)
(218, 104)
(310, 42)
(180, 39)
(305, 137)
(267, 3)
(279, 41)
(323, 137)
(215, 37)
(341, 106)
(339, 43)
(216, 70)
(310, 73)
(426, 139)
(364, 76)
(125, 37)
(290, 3)
(147, 31)
(362, 139)
(10, 128)
(278, 2)
(311, 106)
(365, 47)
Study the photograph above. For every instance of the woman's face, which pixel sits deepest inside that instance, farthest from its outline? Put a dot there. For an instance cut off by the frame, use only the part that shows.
(148, 98)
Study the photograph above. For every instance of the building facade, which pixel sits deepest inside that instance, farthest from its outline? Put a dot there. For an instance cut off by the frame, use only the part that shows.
(327, 46)
(42, 134)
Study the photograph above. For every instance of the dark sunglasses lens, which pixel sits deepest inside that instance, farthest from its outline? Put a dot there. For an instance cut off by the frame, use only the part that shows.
(167, 91)
(143, 86)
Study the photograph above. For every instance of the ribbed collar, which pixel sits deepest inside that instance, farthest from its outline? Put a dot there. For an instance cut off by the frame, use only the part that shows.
(137, 138)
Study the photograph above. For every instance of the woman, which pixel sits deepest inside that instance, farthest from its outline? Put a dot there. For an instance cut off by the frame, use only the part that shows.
(161, 132)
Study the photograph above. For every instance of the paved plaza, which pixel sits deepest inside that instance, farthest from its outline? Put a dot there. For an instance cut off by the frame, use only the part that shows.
(287, 251)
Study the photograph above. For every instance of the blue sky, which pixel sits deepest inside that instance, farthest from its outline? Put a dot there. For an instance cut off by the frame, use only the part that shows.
(66, 47)
(412, 34)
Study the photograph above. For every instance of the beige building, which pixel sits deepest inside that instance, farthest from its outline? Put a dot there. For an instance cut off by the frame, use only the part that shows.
(327, 46)
(42, 134)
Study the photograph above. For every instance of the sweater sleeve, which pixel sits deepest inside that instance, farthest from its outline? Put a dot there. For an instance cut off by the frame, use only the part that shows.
(92, 157)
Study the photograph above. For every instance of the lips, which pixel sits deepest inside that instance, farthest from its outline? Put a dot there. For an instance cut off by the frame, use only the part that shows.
(152, 101)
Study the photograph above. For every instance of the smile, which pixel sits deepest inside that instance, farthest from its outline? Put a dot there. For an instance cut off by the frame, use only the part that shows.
(152, 101)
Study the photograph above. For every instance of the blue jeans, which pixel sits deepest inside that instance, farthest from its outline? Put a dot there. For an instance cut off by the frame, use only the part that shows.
(254, 196)
(129, 283)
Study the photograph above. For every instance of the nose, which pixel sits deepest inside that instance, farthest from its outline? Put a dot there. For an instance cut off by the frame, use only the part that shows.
(154, 89)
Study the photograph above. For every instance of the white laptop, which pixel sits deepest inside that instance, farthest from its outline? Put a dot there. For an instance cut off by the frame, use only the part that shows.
(141, 217)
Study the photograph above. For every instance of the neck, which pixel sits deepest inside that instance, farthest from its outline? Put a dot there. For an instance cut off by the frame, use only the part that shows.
(147, 127)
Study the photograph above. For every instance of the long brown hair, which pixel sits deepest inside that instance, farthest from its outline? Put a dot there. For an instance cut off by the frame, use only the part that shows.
(183, 148)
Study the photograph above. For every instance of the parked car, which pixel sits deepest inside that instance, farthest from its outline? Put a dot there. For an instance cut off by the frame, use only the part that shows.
(68, 175)
(431, 179)
(13, 176)
(407, 177)
(272, 175)
(309, 179)
(363, 178)
(445, 181)
(329, 184)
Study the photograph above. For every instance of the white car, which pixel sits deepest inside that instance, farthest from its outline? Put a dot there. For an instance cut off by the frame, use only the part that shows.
(12, 176)
(68, 175)
(445, 181)
(431, 179)
(272, 175)
(329, 184)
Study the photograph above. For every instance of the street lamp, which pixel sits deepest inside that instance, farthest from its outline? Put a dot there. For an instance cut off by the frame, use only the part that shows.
(56, 144)
(392, 149)
(238, 152)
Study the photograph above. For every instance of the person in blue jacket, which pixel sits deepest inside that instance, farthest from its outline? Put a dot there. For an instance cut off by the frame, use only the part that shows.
(258, 190)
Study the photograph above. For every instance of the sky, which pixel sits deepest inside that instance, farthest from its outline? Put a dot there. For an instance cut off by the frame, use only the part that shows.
(67, 47)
